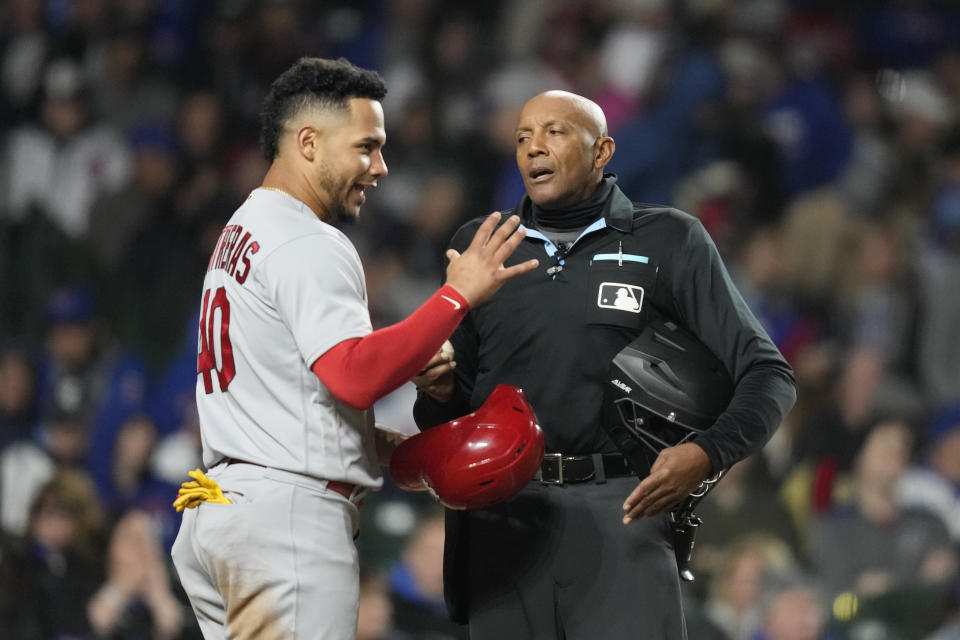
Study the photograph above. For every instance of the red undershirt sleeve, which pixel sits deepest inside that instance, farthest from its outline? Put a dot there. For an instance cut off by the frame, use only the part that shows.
(359, 371)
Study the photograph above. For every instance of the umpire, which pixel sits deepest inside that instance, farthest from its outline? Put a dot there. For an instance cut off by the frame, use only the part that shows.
(585, 551)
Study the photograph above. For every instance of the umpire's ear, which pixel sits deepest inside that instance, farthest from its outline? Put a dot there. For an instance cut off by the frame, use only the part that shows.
(603, 150)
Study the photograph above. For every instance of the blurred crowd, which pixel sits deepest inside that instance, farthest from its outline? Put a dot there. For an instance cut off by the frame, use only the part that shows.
(818, 142)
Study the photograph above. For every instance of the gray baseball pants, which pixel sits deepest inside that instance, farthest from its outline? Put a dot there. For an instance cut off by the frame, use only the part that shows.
(280, 562)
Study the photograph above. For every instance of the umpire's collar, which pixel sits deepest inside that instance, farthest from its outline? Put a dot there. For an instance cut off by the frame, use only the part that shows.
(617, 211)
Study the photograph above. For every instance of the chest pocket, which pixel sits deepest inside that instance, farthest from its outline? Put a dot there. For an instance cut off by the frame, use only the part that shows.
(620, 290)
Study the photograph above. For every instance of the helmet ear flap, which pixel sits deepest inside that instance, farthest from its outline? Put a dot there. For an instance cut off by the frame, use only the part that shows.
(477, 460)
(409, 462)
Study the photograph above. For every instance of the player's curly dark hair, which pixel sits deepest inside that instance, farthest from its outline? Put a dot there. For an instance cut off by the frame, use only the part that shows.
(313, 82)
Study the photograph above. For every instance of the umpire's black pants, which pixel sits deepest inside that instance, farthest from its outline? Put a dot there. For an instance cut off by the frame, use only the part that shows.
(556, 562)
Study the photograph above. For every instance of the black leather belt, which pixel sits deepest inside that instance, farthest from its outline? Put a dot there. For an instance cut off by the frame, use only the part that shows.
(557, 468)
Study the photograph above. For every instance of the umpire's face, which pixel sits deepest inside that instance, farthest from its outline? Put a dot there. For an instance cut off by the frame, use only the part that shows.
(562, 148)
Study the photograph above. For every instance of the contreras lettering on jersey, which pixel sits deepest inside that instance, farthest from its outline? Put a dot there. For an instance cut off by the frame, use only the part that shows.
(234, 249)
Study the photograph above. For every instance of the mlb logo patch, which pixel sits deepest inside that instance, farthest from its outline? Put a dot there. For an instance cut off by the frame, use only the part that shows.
(620, 297)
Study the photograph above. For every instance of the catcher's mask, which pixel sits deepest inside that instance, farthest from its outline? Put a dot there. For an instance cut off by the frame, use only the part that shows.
(663, 389)
(477, 460)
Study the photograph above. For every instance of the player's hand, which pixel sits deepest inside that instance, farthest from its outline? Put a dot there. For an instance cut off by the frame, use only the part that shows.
(436, 379)
(478, 272)
(386, 441)
(675, 473)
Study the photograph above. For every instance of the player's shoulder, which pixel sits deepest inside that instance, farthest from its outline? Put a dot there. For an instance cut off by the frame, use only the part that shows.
(280, 221)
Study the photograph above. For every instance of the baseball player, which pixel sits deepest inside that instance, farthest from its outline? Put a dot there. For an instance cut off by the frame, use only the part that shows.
(288, 368)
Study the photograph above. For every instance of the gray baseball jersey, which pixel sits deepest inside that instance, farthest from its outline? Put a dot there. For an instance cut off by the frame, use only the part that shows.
(282, 288)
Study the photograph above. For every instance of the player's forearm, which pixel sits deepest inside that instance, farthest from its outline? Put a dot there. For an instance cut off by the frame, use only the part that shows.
(362, 370)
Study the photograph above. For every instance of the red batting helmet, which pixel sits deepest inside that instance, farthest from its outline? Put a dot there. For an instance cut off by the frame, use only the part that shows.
(477, 460)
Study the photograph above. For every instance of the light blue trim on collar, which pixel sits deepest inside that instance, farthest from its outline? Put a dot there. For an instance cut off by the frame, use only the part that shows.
(547, 245)
(628, 257)
(551, 248)
(598, 224)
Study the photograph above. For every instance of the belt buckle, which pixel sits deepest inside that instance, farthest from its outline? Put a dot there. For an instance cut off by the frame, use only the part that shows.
(559, 459)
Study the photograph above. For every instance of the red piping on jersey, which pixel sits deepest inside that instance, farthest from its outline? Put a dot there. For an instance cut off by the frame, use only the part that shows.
(360, 371)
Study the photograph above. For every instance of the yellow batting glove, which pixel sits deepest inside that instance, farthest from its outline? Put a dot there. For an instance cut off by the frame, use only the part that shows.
(202, 489)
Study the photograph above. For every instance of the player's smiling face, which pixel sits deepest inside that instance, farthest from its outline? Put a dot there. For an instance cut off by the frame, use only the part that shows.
(351, 159)
(555, 152)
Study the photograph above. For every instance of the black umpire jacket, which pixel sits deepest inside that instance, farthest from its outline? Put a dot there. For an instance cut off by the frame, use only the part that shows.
(554, 331)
